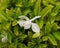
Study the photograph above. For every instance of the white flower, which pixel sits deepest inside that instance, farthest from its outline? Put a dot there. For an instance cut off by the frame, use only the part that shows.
(4, 37)
(28, 23)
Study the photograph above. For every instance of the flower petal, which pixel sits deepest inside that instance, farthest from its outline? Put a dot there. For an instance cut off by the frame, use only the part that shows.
(24, 17)
(4, 39)
(21, 23)
(27, 25)
(36, 17)
(35, 27)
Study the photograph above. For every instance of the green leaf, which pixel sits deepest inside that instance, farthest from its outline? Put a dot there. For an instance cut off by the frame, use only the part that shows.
(19, 3)
(27, 11)
(22, 36)
(57, 18)
(46, 2)
(31, 2)
(36, 35)
(14, 23)
(6, 25)
(10, 36)
(16, 31)
(44, 38)
(52, 39)
(47, 27)
(54, 27)
(30, 34)
(12, 45)
(22, 45)
(25, 3)
(41, 22)
(57, 35)
(3, 17)
(51, 19)
(55, 11)
(46, 10)
(37, 7)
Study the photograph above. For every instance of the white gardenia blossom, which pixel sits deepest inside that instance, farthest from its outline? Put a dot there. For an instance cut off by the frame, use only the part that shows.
(28, 23)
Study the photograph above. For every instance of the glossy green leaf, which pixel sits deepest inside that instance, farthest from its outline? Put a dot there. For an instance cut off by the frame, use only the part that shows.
(48, 27)
(9, 36)
(46, 2)
(3, 17)
(46, 10)
(52, 39)
(36, 35)
(37, 7)
(55, 10)
(41, 22)
(16, 31)
(25, 3)
(27, 11)
(22, 45)
(31, 2)
(14, 23)
(45, 38)
(54, 27)
(6, 25)
(57, 35)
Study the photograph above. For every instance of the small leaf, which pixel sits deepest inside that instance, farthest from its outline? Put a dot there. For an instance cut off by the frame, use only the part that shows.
(57, 35)
(9, 36)
(16, 31)
(54, 27)
(44, 38)
(20, 45)
(27, 11)
(57, 18)
(14, 23)
(3, 17)
(52, 39)
(31, 2)
(35, 28)
(48, 27)
(54, 13)
(46, 2)
(41, 22)
(37, 7)
(46, 10)
(36, 35)
(25, 3)
(6, 25)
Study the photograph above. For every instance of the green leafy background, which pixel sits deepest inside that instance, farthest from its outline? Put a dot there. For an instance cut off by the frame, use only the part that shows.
(17, 37)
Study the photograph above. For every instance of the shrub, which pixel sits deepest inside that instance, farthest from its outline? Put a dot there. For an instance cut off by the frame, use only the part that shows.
(14, 36)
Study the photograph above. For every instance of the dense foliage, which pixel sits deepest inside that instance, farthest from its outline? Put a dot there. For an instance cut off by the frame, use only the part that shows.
(17, 37)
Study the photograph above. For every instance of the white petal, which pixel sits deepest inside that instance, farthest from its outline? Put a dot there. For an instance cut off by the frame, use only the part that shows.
(35, 27)
(36, 17)
(24, 17)
(4, 39)
(21, 23)
(27, 25)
